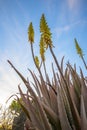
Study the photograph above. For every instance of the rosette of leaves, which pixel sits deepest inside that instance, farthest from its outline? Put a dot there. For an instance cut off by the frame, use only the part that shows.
(49, 106)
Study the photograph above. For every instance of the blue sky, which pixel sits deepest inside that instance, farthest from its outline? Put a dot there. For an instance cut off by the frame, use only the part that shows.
(67, 20)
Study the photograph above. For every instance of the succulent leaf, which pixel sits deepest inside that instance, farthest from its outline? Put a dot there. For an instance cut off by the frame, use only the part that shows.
(83, 115)
(62, 113)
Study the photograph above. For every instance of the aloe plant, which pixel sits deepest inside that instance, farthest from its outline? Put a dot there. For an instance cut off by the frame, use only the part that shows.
(57, 104)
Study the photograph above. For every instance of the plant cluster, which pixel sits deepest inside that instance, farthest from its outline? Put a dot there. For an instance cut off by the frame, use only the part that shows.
(6, 118)
(57, 104)
(19, 115)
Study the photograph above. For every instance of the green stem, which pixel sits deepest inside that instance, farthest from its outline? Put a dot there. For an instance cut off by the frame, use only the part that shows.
(33, 54)
(84, 62)
(35, 62)
(45, 69)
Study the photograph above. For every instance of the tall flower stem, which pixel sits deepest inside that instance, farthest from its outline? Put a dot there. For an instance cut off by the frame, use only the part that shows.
(84, 62)
(38, 68)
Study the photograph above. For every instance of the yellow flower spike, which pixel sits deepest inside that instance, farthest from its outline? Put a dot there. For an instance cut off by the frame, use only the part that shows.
(45, 31)
(42, 49)
(37, 61)
(79, 50)
(31, 33)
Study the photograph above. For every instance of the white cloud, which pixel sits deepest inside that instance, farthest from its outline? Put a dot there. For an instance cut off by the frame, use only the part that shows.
(73, 4)
(8, 82)
(18, 51)
(59, 30)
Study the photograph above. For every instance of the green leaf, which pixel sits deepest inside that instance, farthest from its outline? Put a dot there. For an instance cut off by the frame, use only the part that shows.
(62, 113)
(83, 115)
(52, 116)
